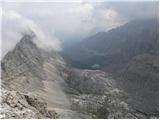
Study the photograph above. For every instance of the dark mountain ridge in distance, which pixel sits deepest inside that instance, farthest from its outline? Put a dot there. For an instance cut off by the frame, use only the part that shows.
(130, 52)
(116, 46)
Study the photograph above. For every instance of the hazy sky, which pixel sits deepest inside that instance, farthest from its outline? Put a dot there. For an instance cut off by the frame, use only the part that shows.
(59, 21)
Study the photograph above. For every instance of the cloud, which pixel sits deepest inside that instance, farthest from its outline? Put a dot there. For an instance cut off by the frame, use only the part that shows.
(14, 24)
(81, 19)
(72, 19)
(69, 20)
(134, 9)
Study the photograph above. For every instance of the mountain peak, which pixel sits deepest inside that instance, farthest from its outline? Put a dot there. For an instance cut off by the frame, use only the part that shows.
(25, 57)
(28, 35)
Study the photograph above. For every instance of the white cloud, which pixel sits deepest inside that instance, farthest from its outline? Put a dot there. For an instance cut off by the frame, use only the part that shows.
(82, 9)
(69, 20)
(14, 24)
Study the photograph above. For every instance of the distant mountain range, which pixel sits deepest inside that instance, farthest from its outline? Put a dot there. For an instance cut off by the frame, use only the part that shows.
(116, 46)
(130, 52)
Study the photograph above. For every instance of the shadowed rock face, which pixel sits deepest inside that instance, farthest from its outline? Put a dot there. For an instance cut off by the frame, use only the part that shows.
(143, 71)
(140, 79)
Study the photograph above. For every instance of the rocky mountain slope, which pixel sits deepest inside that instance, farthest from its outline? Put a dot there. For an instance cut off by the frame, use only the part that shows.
(140, 78)
(130, 53)
(21, 106)
(39, 84)
(31, 70)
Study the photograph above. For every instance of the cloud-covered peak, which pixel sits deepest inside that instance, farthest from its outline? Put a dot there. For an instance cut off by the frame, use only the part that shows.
(15, 25)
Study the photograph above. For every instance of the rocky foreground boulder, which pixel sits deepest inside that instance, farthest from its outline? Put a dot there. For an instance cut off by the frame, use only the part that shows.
(16, 105)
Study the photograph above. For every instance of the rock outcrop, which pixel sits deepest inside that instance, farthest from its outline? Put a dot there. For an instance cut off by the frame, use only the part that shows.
(20, 106)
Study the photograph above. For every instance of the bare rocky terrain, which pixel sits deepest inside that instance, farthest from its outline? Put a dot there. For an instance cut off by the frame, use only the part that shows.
(41, 84)
(131, 54)
(17, 105)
